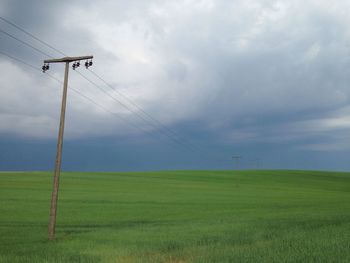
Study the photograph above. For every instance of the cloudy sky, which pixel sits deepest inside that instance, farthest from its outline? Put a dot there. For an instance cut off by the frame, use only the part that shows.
(191, 83)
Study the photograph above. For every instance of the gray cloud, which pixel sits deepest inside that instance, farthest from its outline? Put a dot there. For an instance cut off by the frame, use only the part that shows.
(247, 71)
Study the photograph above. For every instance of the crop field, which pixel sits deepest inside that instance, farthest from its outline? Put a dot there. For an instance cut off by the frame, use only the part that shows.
(177, 216)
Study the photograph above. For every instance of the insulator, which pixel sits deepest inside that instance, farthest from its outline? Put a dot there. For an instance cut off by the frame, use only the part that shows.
(43, 68)
(47, 67)
(78, 64)
(90, 63)
(86, 64)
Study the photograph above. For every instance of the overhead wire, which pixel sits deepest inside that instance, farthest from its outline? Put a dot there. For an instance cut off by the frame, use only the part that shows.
(165, 130)
(31, 35)
(73, 89)
(132, 111)
(158, 125)
(25, 43)
(195, 147)
(175, 140)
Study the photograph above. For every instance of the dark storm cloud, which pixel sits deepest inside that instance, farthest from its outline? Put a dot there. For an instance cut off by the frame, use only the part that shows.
(244, 72)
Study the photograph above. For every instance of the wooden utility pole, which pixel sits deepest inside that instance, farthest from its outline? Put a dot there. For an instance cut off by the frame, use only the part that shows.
(54, 197)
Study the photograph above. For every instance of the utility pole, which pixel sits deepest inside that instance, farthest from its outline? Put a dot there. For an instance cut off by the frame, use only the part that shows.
(237, 159)
(54, 197)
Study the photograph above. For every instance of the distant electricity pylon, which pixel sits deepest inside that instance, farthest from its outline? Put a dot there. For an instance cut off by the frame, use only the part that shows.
(258, 163)
(237, 159)
(255, 163)
(54, 198)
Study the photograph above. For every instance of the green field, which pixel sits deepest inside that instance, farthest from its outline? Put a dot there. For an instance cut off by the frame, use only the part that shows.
(177, 216)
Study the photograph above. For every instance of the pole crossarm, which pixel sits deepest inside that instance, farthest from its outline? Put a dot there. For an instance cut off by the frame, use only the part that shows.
(67, 59)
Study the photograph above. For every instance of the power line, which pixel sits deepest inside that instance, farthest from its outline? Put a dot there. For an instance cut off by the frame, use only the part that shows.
(25, 43)
(164, 129)
(119, 116)
(104, 92)
(125, 106)
(59, 81)
(161, 124)
(56, 79)
(126, 120)
(19, 60)
(31, 35)
(175, 140)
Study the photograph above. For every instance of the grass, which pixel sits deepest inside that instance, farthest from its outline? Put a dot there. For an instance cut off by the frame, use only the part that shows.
(177, 216)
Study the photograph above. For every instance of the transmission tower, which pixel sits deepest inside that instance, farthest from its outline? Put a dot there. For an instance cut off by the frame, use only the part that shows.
(237, 159)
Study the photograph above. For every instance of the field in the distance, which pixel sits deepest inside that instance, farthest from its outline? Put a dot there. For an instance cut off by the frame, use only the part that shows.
(179, 216)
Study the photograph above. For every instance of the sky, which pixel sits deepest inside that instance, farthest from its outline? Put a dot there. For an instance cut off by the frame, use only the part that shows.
(190, 84)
